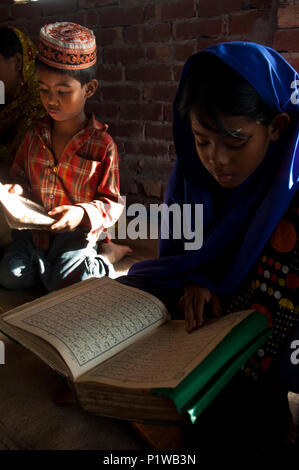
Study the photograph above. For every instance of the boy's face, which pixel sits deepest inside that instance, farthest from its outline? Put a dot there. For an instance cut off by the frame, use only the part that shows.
(63, 96)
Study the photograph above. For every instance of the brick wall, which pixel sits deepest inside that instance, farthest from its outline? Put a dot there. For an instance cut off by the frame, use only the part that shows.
(286, 37)
(143, 46)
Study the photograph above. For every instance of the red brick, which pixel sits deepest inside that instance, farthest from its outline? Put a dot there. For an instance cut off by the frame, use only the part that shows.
(172, 152)
(110, 74)
(35, 25)
(288, 17)
(148, 33)
(161, 52)
(28, 11)
(219, 7)
(177, 71)
(103, 110)
(152, 188)
(87, 18)
(144, 111)
(130, 2)
(168, 112)
(261, 3)
(203, 43)
(246, 22)
(96, 3)
(5, 13)
(108, 36)
(149, 73)
(128, 185)
(167, 11)
(159, 131)
(161, 164)
(162, 32)
(293, 59)
(128, 130)
(51, 7)
(120, 93)
(124, 55)
(192, 29)
(139, 33)
(148, 148)
(115, 16)
(137, 198)
(286, 40)
(160, 92)
(120, 144)
(185, 50)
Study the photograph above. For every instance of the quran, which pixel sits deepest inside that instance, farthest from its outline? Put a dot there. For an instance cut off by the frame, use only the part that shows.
(22, 213)
(123, 355)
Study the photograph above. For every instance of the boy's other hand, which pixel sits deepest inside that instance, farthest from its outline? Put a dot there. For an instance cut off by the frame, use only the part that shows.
(71, 217)
(14, 189)
(194, 302)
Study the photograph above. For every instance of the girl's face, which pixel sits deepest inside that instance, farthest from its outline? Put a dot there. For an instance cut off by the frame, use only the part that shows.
(231, 160)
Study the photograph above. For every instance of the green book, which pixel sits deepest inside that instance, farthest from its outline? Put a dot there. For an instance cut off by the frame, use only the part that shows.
(124, 356)
(204, 383)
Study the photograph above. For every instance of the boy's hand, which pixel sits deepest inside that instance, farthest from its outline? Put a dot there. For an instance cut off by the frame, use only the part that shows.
(14, 189)
(71, 217)
(193, 303)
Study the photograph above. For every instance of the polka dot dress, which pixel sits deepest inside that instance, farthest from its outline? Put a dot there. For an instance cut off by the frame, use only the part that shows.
(272, 289)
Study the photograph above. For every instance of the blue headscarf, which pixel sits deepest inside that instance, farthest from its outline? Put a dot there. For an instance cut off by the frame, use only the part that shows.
(235, 235)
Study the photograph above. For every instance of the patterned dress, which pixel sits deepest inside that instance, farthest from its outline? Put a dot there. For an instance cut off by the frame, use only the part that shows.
(17, 117)
(272, 289)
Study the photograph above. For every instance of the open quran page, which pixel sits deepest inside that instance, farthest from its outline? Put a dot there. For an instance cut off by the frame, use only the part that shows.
(165, 356)
(91, 321)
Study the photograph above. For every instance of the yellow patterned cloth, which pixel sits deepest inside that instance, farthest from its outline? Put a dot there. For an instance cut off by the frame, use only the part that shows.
(18, 115)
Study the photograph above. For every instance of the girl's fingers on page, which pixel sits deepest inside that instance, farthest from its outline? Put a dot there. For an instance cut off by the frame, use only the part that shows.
(199, 305)
(190, 322)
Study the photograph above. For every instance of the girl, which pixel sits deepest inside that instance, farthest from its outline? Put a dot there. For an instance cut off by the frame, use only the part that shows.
(236, 120)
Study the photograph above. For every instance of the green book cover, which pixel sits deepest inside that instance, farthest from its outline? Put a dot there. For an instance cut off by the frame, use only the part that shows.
(204, 383)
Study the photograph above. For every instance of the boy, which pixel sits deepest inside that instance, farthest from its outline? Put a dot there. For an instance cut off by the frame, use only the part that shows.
(69, 164)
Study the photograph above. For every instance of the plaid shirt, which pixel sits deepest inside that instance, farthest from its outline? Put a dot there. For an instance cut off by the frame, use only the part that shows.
(86, 174)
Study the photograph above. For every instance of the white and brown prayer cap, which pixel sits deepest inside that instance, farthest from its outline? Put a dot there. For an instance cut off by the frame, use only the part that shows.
(67, 46)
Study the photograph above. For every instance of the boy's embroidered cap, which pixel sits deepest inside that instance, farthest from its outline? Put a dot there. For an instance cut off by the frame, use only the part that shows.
(67, 46)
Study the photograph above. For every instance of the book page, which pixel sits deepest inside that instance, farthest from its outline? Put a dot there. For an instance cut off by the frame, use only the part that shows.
(22, 213)
(166, 356)
(92, 321)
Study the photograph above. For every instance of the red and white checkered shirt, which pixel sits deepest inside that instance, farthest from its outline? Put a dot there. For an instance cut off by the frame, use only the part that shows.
(86, 174)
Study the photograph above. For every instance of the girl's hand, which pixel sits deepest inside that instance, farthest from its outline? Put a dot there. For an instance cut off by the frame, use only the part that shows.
(194, 304)
(71, 217)
(14, 189)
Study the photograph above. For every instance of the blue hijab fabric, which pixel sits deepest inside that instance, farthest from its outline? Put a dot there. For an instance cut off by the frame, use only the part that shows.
(234, 236)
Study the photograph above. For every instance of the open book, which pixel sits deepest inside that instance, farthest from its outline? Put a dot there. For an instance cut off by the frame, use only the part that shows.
(22, 213)
(123, 355)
